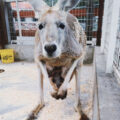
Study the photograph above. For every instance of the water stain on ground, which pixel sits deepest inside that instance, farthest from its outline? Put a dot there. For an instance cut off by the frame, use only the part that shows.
(1, 70)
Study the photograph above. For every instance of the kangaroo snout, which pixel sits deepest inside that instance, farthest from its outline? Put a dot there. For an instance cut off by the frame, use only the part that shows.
(50, 49)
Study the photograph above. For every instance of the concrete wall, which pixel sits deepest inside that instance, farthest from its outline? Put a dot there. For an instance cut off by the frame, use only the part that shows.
(26, 52)
(23, 52)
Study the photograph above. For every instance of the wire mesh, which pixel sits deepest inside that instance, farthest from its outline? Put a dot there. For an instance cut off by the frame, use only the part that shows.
(86, 12)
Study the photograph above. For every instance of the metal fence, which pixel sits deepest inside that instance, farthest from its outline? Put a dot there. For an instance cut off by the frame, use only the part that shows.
(22, 22)
(117, 48)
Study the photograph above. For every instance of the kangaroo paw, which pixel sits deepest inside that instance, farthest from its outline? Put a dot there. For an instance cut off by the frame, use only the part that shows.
(35, 112)
(84, 117)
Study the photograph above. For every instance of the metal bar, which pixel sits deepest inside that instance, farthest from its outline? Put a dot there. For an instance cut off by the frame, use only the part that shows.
(52, 2)
(13, 0)
(19, 21)
(101, 9)
(116, 73)
(3, 27)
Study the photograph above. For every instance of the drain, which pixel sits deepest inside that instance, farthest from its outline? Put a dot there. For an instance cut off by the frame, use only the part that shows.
(1, 70)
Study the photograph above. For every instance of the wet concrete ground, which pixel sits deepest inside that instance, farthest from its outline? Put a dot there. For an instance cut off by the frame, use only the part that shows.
(19, 94)
(108, 91)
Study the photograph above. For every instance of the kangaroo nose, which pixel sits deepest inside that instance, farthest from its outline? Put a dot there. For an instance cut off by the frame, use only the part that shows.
(50, 49)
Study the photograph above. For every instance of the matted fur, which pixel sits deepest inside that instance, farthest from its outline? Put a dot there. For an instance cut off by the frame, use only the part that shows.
(67, 59)
(74, 46)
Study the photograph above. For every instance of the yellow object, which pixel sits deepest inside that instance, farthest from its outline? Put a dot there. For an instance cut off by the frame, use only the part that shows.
(7, 55)
(0, 51)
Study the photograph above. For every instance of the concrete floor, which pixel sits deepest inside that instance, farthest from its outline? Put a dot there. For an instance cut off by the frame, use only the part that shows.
(108, 90)
(19, 94)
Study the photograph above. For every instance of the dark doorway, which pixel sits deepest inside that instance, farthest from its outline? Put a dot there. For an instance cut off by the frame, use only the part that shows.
(3, 30)
(100, 14)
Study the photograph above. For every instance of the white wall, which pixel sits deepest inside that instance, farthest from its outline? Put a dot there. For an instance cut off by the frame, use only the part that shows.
(109, 31)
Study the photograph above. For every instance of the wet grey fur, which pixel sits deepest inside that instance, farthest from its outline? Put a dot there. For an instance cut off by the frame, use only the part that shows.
(75, 43)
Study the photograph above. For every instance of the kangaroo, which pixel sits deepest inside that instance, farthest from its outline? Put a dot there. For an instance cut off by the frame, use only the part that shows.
(60, 45)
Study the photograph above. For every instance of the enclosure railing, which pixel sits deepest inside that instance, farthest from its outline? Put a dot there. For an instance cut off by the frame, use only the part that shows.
(116, 62)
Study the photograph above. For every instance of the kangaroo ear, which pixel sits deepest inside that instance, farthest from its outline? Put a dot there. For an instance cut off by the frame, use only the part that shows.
(66, 5)
(38, 5)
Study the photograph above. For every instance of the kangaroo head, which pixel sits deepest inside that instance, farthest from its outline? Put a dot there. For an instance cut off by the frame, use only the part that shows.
(53, 25)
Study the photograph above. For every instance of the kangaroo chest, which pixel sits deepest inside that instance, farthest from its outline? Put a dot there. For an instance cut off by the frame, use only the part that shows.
(57, 71)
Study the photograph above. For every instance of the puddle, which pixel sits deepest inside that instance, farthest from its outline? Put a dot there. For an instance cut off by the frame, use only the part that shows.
(1, 70)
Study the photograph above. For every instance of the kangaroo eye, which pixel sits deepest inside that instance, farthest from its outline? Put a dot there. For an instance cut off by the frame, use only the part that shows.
(61, 25)
(41, 26)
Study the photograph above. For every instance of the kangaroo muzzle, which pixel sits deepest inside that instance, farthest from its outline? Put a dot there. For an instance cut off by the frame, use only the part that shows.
(50, 49)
